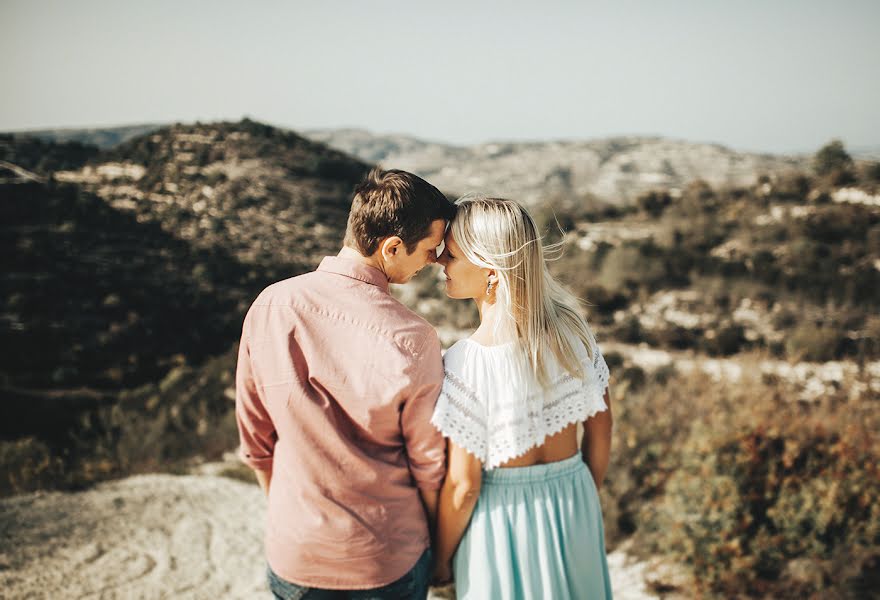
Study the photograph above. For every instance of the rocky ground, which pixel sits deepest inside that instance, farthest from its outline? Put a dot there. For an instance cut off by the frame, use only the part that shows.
(160, 536)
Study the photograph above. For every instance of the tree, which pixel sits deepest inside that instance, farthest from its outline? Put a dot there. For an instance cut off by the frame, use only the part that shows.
(831, 158)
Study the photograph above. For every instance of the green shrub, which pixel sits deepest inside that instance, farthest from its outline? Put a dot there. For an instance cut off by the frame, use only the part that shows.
(613, 360)
(728, 339)
(605, 301)
(654, 202)
(634, 377)
(677, 337)
(629, 331)
(650, 422)
(870, 173)
(792, 187)
(831, 157)
(814, 343)
(632, 265)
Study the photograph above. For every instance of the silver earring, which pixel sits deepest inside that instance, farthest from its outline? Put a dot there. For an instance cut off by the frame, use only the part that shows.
(489, 289)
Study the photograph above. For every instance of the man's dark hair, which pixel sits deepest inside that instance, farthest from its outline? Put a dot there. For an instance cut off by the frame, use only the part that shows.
(397, 203)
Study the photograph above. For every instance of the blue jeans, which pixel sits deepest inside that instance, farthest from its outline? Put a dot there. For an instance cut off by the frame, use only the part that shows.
(412, 586)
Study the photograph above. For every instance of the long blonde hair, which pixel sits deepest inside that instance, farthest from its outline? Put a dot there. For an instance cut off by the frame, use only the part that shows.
(541, 315)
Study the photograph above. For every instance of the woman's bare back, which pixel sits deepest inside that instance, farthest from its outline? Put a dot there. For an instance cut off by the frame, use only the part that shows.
(557, 447)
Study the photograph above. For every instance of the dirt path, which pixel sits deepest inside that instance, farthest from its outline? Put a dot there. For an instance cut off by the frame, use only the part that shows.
(155, 536)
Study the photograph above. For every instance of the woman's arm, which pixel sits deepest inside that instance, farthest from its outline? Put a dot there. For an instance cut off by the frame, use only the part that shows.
(430, 499)
(596, 447)
(458, 497)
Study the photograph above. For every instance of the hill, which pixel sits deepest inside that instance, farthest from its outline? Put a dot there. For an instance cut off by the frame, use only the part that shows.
(266, 195)
(40, 156)
(569, 173)
(100, 137)
(125, 281)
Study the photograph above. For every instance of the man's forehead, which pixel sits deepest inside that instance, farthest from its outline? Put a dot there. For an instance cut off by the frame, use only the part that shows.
(438, 231)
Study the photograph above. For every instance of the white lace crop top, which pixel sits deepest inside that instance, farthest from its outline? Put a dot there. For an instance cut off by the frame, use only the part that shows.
(492, 406)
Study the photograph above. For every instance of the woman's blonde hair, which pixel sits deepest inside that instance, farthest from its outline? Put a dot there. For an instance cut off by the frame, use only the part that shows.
(543, 317)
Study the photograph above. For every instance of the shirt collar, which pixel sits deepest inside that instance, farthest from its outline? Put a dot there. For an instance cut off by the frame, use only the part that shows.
(354, 269)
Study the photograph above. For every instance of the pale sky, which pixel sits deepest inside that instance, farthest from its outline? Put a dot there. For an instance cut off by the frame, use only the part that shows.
(775, 76)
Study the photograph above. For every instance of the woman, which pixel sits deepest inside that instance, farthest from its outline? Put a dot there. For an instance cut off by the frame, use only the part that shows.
(519, 510)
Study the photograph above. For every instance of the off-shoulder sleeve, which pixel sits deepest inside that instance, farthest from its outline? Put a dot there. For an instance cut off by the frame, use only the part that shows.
(460, 413)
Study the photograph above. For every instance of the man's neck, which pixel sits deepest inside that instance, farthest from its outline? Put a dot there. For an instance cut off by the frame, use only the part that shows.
(352, 254)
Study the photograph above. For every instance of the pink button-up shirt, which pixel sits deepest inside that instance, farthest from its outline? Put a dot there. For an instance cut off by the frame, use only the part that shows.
(335, 387)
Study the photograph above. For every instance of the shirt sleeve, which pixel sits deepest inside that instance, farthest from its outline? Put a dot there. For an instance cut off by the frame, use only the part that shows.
(424, 444)
(256, 431)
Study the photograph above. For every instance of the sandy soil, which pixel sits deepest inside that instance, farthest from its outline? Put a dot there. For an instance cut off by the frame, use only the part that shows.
(157, 536)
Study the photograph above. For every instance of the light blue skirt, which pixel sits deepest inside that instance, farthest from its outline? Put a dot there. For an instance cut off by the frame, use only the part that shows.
(536, 533)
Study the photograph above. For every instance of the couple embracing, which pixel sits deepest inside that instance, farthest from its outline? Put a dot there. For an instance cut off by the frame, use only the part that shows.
(388, 466)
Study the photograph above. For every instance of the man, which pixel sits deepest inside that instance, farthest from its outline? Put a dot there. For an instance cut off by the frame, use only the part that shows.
(335, 387)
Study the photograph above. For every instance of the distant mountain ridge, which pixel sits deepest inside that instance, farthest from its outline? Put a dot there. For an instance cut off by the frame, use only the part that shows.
(102, 137)
(613, 170)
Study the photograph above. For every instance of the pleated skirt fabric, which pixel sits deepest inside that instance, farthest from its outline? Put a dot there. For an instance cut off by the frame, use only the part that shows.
(536, 533)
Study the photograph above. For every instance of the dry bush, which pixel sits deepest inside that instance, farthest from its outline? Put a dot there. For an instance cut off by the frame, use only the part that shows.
(815, 343)
(188, 416)
(27, 464)
(757, 495)
(652, 416)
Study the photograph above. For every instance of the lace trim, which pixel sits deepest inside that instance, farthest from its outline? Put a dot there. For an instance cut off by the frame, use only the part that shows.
(600, 369)
(514, 437)
(458, 417)
(503, 433)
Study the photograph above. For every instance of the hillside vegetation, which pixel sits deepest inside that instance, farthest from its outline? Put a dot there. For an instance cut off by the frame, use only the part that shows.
(126, 278)
(742, 330)
(739, 317)
(100, 137)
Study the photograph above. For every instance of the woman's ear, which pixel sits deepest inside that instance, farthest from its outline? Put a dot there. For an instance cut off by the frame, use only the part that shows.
(492, 277)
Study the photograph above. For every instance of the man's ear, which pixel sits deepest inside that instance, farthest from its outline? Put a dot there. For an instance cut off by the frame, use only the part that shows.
(390, 246)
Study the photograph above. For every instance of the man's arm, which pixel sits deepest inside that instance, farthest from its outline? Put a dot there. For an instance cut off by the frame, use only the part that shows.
(425, 448)
(255, 427)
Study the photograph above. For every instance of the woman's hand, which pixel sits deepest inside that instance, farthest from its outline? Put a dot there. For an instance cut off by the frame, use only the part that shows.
(442, 574)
